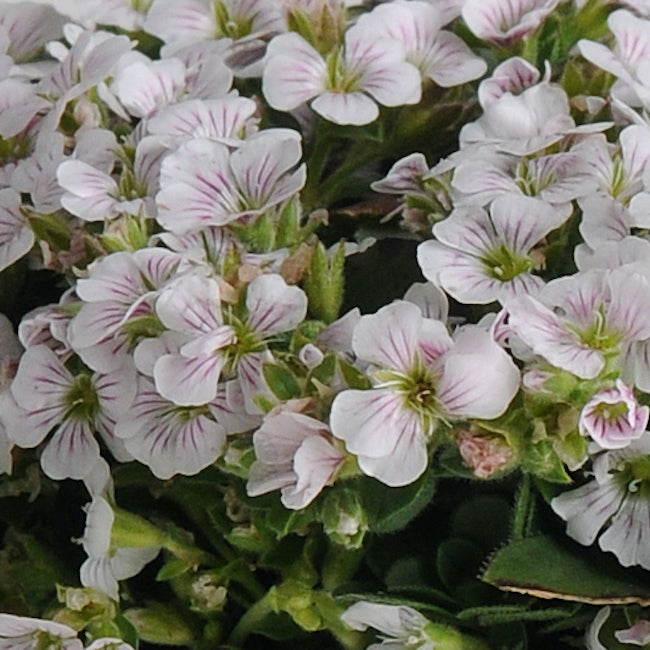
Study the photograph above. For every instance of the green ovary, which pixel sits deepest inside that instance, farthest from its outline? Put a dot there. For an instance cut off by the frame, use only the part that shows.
(418, 389)
(81, 399)
(339, 78)
(505, 265)
(597, 335)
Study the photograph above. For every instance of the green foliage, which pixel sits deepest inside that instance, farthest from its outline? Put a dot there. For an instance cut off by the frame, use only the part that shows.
(543, 567)
(391, 509)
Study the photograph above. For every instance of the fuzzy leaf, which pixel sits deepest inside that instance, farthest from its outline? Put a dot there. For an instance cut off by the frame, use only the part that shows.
(391, 509)
(542, 567)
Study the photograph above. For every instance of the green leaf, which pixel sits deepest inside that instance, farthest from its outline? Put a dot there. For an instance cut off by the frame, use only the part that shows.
(491, 614)
(390, 509)
(282, 381)
(172, 569)
(483, 519)
(269, 514)
(457, 561)
(542, 567)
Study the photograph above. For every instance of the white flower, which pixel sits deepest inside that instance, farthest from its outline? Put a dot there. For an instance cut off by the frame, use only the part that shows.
(16, 235)
(478, 257)
(525, 123)
(36, 175)
(48, 396)
(575, 321)
(439, 55)
(505, 22)
(422, 376)
(23, 633)
(118, 297)
(167, 438)
(628, 59)
(556, 179)
(226, 119)
(512, 76)
(368, 69)
(294, 453)
(203, 184)
(194, 20)
(401, 627)
(616, 499)
(192, 307)
(94, 195)
(613, 417)
(106, 565)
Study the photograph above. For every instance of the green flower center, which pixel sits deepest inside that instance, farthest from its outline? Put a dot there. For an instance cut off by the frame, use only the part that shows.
(503, 264)
(81, 400)
(611, 412)
(529, 183)
(597, 335)
(634, 475)
(229, 25)
(418, 389)
(339, 77)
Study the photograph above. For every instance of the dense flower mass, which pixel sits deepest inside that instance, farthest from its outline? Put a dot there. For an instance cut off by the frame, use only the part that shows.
(324, 322)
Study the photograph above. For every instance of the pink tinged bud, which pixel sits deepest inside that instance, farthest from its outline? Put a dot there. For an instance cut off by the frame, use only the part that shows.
(613, 417)
(534, 379)
(485, 455)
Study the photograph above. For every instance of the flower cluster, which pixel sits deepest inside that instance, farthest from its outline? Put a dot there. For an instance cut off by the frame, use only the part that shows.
(233, 204)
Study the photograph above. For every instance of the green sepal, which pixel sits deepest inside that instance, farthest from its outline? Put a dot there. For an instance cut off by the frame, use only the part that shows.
(541, 566)
(324, 371)
(353, 377)
(127, 630)
(172, 569)
(287, 230)
(541, 460)
(281, 381)
(159, 623)
(323, 283)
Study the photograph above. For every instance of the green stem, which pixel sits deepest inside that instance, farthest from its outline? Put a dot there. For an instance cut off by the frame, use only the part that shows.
(320, 152)
(249, 620)
(522, 510)
(329, 188)
(339, 566)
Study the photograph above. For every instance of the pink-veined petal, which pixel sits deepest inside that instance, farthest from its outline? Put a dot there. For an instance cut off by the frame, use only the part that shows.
(370, 421)
(479, 379)
(72, 452)
(188, 381)
(406, 462)
(314, 463)
(346, 108)
(389, 338)
(587, 509)
(274, 306)
(294, 72)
